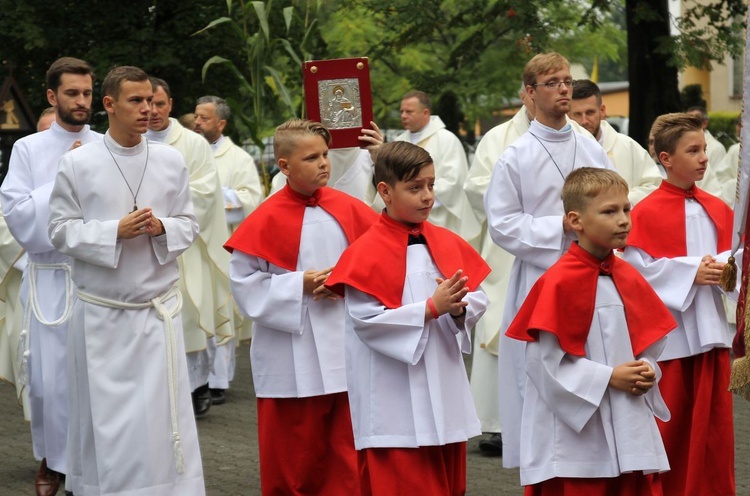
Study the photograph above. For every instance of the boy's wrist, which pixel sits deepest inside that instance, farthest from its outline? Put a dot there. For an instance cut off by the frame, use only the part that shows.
(460, 315)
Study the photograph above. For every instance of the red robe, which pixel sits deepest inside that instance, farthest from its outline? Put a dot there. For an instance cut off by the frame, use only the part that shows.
(376, 263)
(562, 302)
(699, 438)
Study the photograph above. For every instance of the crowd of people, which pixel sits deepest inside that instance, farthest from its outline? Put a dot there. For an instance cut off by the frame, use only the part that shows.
(135, 261)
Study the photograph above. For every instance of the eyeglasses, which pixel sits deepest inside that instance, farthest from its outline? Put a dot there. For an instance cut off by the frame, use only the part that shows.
(556, 85)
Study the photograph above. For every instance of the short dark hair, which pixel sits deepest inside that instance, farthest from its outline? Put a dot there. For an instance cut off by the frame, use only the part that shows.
(585, 88)
(424, 98)
(223, 112)
(160, 83)
(399, 161)
(669, 128)
(67, 65)
(112, 83)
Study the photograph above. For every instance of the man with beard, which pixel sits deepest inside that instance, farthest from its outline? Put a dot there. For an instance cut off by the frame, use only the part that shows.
(47, 289)
(632, 162)
(525, 215)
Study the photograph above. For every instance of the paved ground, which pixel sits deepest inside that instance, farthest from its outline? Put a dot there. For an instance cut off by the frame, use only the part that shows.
(230, 455)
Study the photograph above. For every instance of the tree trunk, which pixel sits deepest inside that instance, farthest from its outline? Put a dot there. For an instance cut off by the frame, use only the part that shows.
(653, 82)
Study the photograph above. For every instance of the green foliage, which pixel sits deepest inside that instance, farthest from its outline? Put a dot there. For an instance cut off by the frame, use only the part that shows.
(707, 33)
(723, 125)
(474, 49)
(692, 96)
(152, 35)
(268, 67)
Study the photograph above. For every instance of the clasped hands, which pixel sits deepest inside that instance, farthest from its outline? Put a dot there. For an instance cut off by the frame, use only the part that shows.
(314, 284)
(139, 222)
(635, 377)
(449, 296)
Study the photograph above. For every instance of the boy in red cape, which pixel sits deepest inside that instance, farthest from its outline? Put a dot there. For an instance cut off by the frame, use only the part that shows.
(412, 297)
(594, 329)
(282, 255)
(678, 230)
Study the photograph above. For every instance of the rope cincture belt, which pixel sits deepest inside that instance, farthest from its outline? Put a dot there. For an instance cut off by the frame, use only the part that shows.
(169, 330)
(32, 307)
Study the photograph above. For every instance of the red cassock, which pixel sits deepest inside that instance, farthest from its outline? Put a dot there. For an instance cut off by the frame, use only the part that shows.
(699, 438)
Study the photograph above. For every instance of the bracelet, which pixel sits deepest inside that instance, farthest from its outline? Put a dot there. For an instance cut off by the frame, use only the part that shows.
(460, 316)
(432, 307)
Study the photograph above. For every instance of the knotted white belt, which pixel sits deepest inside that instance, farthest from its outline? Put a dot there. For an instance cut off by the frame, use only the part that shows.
(33, 307)
(171, 341)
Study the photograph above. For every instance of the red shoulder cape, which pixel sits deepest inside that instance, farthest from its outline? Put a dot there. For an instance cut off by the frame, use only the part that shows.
(659, 221)
(272, 232)
(376, 263)
(562, 302)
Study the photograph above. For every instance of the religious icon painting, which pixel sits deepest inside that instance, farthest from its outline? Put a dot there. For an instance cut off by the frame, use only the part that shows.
(337, 94)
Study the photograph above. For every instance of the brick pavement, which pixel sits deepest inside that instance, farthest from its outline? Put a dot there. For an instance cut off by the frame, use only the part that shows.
(229, 439)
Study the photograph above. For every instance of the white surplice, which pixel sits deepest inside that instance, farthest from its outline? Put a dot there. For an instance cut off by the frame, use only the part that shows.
(524, 216)
(297, 348)
(484, 377)
(407, 380)
(25, 200)
(204, 267)
(452, 209)
(130, 418)
(698, 310)
(573, 424)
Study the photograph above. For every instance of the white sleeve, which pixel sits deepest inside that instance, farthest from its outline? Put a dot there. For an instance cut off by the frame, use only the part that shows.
(25, 204)
(671, 278)
(572, 387)
(535, 240)
(93, 242)
(653, 397)
(399, 333)
(270, 296)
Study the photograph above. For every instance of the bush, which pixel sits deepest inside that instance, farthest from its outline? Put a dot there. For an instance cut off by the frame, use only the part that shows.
(723, 125)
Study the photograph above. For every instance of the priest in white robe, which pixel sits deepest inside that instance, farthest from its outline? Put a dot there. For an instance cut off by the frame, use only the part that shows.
(525, 214)
(122, 210)
(47, 291)
(204, 267)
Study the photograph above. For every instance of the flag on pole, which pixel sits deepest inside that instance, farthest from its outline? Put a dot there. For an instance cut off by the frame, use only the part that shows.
(740, 380)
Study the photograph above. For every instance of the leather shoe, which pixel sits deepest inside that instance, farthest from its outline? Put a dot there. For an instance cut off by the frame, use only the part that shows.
(47, 481)
(218, 396)
(201, 401)
(492, 446)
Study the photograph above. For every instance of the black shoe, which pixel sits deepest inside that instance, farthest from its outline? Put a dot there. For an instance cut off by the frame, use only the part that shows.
(201, 401)
(218, 396)
(492, 446)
